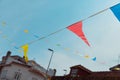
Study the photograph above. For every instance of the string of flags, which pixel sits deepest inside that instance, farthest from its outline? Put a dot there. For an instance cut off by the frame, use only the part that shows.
(77, 52)
(76, 28)
(86, 56)
(25, 50)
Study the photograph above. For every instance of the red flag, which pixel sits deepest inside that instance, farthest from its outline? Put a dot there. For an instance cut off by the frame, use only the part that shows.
(77, 29)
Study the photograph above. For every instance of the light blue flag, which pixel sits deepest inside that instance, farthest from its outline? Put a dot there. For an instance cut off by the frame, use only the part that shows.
(116, 10)
(94, 59)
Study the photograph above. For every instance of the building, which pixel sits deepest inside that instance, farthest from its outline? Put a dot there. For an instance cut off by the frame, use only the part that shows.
(78, 72)
(16, 68)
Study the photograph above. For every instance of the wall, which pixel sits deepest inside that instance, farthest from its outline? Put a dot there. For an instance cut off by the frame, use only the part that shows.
(26, 74)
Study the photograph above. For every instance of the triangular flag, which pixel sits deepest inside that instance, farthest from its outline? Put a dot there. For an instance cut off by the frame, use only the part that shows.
(25, 50)
(94, 59)
(0, 32)
(36, 36)
(77, 29)
(20, 51)
(67, 49)
(116, 10)
(58, 45)
(3, 23)
(87, 56)
(4, 36)
(77, 52)
(16, 47)
(26, 31)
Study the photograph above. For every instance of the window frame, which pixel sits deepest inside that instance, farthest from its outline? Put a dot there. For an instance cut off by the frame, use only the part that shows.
(17, 75)
(3, 74)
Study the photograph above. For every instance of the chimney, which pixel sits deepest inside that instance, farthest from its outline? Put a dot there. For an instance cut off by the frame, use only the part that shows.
(4, 58)
(8, 53)
(54, 72)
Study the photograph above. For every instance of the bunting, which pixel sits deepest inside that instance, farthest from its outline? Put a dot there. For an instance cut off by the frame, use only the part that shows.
(36, 36)
(87, 56)
(58, 45)
(16, 47)
(26, 31)
(0, 32)
(94, 59)
(25, 50)
(77, 29)
(116, 10)
(3, 24)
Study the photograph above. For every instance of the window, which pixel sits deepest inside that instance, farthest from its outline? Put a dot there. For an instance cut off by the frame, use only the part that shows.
(74, 72)
(17, 76)
(4, 73)
(34, 78)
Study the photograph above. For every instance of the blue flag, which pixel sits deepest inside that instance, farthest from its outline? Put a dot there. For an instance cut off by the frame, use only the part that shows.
(94, 59)
(116, 10)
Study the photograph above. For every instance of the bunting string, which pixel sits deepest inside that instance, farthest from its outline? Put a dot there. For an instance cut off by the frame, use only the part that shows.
(24, 50)
(83, 55)
(113, 9)
(97, 13)
(67, 26)
(46, 36)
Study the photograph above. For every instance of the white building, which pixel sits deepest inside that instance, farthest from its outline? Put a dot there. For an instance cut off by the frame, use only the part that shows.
(15, 68)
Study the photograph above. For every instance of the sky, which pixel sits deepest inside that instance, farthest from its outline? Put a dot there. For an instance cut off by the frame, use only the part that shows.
(24, 21)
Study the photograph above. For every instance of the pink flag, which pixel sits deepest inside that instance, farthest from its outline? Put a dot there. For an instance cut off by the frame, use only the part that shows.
(77, 29)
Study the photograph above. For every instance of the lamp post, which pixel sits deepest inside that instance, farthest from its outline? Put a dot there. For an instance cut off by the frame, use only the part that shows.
(49, 60)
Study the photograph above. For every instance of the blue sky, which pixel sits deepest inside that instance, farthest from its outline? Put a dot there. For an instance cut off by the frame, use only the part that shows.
(42, 17)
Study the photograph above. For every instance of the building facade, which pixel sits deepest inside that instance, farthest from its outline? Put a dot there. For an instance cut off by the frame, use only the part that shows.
(78, 72)
(16, 68)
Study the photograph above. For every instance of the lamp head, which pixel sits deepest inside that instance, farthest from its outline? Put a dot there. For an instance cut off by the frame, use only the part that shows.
(50, 49)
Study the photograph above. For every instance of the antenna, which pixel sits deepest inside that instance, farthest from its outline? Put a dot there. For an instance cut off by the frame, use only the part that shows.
(119, 59)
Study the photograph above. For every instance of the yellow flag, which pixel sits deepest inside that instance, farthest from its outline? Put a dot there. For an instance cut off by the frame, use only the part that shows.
(25, 50)
(87, 56)
(26, 31)
(67, 49)
(3, 23)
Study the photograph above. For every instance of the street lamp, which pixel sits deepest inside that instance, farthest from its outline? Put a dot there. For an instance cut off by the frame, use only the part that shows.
(49, 60)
